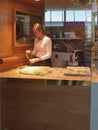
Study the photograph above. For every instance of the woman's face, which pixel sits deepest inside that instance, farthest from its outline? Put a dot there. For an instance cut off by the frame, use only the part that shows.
(37, 33)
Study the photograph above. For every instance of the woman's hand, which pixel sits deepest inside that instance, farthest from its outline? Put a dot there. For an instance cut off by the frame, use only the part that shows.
(34, 60)
(28, 54)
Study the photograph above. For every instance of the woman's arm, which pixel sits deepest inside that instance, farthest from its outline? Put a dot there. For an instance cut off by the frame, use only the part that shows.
(48, 49)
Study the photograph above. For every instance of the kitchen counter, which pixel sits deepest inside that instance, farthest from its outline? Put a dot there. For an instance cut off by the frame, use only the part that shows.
(45, 106)
(56, 74)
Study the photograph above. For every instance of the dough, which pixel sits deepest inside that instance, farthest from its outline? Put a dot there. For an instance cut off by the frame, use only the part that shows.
(35, 70)
(78, 70)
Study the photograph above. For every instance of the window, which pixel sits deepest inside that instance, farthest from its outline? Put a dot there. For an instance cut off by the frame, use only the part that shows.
(88, 15)
(56, 18)
(69, 15)
(80, 15)
(47, 16)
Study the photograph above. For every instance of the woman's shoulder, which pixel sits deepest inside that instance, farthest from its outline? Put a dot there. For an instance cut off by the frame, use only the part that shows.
(47, 38)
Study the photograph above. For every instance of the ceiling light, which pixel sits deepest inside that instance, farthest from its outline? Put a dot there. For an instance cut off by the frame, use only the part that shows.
(36, 0)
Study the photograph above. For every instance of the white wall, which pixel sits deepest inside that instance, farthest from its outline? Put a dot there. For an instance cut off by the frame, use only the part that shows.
(94, 107)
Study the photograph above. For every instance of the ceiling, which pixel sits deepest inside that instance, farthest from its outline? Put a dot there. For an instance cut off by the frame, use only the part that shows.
(58, 4)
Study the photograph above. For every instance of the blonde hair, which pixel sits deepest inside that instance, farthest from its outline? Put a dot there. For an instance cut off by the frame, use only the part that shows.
(39, 27)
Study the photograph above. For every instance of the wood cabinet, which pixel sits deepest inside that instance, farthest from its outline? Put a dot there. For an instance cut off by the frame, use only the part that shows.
(32, 105)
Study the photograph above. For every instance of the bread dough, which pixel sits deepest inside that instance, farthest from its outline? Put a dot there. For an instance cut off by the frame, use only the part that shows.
(78, 70)
(35, 70)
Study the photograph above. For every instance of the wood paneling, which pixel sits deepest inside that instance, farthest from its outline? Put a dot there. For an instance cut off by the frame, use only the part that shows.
(12, 62)
(7, 24)
(30, 106)
(55, 4)
(5, 30)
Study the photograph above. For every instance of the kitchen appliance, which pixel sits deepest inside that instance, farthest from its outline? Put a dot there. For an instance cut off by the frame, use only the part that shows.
(63, 59)
(70, 35)
(77, 58)
(60, 59)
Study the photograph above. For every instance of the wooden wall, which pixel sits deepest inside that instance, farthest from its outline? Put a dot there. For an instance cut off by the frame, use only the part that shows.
(7, 48)
(30, 106)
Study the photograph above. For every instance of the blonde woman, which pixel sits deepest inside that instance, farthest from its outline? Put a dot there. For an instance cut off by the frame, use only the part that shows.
(42, 47)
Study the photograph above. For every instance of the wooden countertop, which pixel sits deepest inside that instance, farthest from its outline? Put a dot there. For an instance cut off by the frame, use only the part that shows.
(57, 74)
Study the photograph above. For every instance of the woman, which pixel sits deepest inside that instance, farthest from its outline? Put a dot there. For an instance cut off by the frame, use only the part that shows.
(42, 48)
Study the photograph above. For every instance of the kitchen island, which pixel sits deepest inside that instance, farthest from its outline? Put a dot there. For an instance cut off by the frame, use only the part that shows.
(56, 74)
(27, 102)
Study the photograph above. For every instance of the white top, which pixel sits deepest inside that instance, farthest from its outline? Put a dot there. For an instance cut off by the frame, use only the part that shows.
(43, 48)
